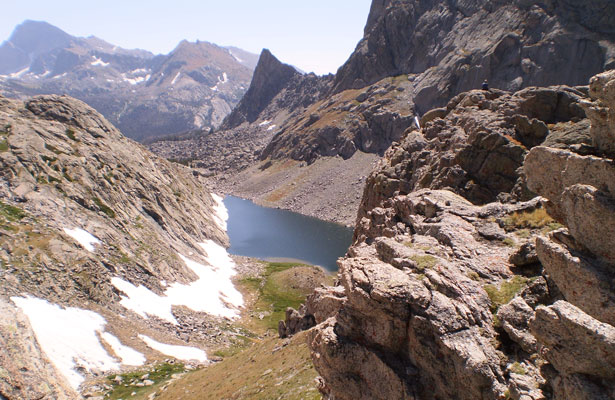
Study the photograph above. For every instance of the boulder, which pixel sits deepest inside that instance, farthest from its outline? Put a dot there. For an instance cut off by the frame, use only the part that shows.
(574, 342)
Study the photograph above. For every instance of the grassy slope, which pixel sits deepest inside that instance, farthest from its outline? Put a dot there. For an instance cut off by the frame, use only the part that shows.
(266, 370)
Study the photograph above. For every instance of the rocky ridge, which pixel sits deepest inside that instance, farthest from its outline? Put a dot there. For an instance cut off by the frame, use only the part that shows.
(195, 86)
(65, 169)
(441, 298)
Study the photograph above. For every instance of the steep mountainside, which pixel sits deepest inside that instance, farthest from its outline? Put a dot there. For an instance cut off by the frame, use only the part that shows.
(194, 86)
(110, 251)
(415, 55)
(442, 299)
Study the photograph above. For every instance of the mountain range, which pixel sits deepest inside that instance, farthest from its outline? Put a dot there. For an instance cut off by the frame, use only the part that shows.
(145, 95)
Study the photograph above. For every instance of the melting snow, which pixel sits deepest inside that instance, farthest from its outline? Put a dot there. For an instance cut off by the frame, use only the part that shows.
(98, 61)
(272, 127)
(68, 337)
(175, 79)
(213, 292)
(128, 355)
(180, 352)
(221, 213)
(86, 239)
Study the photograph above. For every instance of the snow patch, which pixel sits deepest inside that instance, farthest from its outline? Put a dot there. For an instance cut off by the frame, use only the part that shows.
(221, 213)
(19, 74)
(180, 352)
(85, 238)
(235, 57)
(175, 79)
(128, 355)
(68, 336)
(272, 127)
(213, 292)
(99, 62)
(224, 78)
(136, 80)
(267, 122)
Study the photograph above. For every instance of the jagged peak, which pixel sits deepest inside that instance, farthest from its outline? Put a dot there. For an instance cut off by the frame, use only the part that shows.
(270, 77)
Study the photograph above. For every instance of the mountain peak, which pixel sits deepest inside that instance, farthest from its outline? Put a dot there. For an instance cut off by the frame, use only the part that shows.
(270, 77)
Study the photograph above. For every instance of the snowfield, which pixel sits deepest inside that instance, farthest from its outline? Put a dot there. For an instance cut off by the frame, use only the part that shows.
(69, 338)
(213, 292)
(85, 238)
(180, 352)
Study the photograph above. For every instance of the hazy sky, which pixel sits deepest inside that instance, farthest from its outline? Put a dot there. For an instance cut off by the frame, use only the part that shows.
(314, 35)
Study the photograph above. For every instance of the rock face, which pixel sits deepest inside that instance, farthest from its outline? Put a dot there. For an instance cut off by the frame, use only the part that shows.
(63, 167)
(270, 77)
(452, 46)
(194, 86)
(577, 333)
(441, 298)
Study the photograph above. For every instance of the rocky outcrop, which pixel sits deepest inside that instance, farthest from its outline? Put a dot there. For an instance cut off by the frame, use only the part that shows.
(577, 333)
(442, 298)
(270, 77)
(415, 319)
(476, 145)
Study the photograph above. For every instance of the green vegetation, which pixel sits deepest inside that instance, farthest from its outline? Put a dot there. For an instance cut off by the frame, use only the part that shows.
(71, 134)
(506, 291)
(535, 219)
(4, 145)
(510, 242)
(240, 343)
(517, 368)
(124, 387)
(11, 213)
(104, 208)
(274, 293)
(424, 262)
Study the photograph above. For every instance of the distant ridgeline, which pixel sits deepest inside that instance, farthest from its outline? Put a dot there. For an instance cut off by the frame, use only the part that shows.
(145, 95)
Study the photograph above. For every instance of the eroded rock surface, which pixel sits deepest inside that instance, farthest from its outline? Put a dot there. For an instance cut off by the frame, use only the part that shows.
(445, 298)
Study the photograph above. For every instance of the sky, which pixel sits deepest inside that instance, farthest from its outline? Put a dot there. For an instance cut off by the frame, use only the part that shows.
(315, 36)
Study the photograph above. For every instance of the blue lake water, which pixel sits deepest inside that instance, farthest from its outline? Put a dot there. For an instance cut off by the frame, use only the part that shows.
(269, 233)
